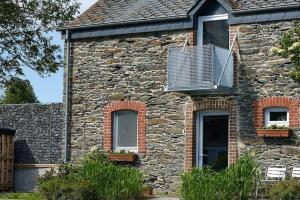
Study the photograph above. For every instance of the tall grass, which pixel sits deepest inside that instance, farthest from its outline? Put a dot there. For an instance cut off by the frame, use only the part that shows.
(95, 178)
(111, 182)
(235, 183)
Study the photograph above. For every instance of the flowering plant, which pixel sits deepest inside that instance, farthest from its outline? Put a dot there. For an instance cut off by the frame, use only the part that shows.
(289, 47)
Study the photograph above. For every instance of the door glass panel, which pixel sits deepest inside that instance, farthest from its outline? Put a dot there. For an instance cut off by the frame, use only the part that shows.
(216, 33)
(215, 141)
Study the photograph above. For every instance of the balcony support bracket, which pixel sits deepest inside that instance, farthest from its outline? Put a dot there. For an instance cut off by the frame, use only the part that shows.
(226, 63)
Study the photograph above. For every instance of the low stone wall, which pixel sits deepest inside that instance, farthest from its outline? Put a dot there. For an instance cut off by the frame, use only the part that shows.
(38, 140)
(26, 175)
(39, 131)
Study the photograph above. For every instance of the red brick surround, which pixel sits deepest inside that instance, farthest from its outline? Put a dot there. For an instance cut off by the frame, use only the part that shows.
(190, 128)
(233, 30)
(124, 105)
(287, 102)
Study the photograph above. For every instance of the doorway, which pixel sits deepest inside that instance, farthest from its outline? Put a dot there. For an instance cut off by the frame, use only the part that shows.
(212, 140)
(213, 30)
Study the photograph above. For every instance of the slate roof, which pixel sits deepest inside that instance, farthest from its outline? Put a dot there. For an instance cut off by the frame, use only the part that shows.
(243, 5)
(108, 12)
(121, 11)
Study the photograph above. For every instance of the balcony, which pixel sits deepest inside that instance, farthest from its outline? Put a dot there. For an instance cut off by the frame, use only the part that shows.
(199, 68)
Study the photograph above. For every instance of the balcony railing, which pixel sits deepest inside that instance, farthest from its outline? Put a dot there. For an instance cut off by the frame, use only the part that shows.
(204, 67)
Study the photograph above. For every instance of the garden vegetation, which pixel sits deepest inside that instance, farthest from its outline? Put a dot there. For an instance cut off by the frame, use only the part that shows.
(93, 178)
(96, 178)
(238, 182)
(289, 47)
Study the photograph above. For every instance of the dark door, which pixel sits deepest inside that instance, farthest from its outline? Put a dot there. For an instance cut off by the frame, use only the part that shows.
(215, 141)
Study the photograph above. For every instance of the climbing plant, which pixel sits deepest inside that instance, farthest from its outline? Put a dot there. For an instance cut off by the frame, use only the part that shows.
(289, 47)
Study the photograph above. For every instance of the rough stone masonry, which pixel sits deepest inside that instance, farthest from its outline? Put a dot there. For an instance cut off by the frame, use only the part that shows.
(261, 74)
(130, 68)
(134, 67)
(39, 132)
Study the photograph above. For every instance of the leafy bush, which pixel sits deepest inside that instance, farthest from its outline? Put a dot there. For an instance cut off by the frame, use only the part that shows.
(285, 190)
(236, 182)
(94, 178)
(60, 189)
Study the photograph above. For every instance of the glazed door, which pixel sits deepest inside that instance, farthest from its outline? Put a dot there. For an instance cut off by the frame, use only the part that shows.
(213, 30)
(212, 140)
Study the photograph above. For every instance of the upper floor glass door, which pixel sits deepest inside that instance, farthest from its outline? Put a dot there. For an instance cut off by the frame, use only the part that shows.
(213, 30)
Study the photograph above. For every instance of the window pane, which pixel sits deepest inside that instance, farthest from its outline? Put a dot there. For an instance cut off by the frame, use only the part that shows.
(125, 126)
(216, 33)
(278, 116)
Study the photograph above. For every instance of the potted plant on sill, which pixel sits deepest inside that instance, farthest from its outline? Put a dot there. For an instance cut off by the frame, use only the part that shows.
(122, 156)
(274, 131)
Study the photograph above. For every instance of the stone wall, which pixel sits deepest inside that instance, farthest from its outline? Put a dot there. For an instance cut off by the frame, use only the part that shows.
(134, 68)
(261, 74)
(39, 132)
(130, 68)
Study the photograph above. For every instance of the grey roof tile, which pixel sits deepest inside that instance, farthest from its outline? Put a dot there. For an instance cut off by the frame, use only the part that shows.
(108, 12)
(124, 11)
(248, 5)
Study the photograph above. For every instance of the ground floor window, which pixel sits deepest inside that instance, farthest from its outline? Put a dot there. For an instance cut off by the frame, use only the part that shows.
(276, 116)
(279, 111)
(125, 125)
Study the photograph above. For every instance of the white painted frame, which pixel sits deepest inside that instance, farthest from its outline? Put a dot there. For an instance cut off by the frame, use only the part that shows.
(199, 134)
(114, 132)
(202, 19)
(268, 122)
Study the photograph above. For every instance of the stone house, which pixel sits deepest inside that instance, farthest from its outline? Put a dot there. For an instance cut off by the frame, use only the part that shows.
(182, 83)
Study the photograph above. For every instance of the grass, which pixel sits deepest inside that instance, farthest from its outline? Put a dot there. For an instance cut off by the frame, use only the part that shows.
(21, 196)
(238, 182)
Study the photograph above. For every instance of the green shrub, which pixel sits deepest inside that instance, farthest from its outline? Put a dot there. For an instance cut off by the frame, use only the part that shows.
(236, 182)
(60, 189)
(94, 178)
(285, 190)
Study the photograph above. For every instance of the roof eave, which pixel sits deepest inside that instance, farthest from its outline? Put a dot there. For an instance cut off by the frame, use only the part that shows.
(93, 26)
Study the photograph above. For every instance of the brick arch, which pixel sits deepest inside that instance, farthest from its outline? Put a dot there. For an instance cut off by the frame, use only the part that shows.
(287, 102)
(124, 105)
(190, 128)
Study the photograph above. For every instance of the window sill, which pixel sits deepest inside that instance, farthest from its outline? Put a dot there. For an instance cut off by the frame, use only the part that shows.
(273, 132)
(122, 157)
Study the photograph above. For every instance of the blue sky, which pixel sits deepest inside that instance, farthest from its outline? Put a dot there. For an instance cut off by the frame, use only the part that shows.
(50, 89)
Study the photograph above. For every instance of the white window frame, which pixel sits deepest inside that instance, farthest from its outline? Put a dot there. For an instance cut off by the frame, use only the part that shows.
(268, 122)
(202, 19)
(116, 148)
